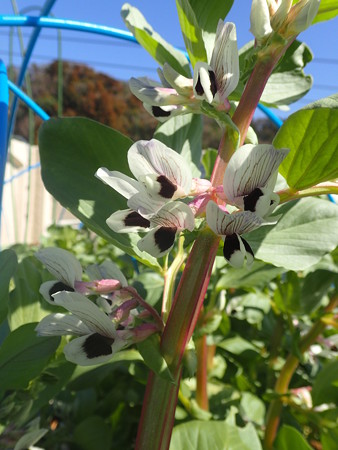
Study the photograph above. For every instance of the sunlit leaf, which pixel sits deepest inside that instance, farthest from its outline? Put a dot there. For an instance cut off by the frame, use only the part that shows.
(328, 9)
(151, 41)
(288, 437)
(8, 265)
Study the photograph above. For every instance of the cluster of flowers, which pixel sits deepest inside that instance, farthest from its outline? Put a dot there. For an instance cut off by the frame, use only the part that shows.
(163, 178)
(118, 319)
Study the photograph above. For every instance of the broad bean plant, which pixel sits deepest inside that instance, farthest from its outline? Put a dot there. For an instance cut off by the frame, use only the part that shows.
(198, 312)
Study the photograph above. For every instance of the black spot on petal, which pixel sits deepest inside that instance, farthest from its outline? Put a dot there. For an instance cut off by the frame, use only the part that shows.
(97, 345)
(231, 245)
(57, 287)
(213, 85)
(247, 247)
(250, 200)
(165, 237)
(167, 187)
(134, 219)
(159, 112)
(199, 88)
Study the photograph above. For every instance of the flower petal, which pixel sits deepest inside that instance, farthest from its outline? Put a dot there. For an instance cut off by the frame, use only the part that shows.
(174, 215)
(123, 184)
(87, 311)
(251, 167)
(107, 270)
(49, 288)
(235, 251)
(127, 221)
(225, 60)
(204, 83)
(260, 19)
(60, 263)
(225, 224)
(163, 113)
(155, 95)
(181, 84)
(61, 324)
(92, 349)
(155, 158)
(158, 241)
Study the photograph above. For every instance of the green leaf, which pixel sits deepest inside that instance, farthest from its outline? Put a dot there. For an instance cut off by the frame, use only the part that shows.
(192, 34)
(284, 88)
(207, 15)
(315, 287)
(198, 435)
(238, 345)
(288, 294)
(289, 438)
(184, 135)
(152, 42)
(71, 151)
(304, 234)
(311, 136)
(26, 304)
(151, 354)
(259, 274)
(328, 9)
(8, 265)
(23, 355)
(93, 433)
(150, 286)
(252, 408)
(29, 439)
(208, 161)
(324, 390)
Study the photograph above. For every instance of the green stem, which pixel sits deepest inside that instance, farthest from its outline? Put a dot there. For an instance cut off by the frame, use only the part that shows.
(284, 379)
(320, 189)
(202, 373)
(170, 278)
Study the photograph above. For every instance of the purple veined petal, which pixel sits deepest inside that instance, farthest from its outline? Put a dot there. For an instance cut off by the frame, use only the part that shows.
(260, 19)
(225, 224)
(145, 205)
(301, 16)
(123, 184)
(155, 95)
(180, 83)
(251, 167)
(174, 215)
(158, 241)
(236, 250)
(163, 113)
(60, 263)
(89, 313)
(92, 349)
(49, 288)
(155, 158)
(127, 221)
(61, 324)
(225, 60)
(204, 83)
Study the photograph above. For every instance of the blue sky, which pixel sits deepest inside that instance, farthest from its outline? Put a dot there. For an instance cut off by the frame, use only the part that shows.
(123, 60)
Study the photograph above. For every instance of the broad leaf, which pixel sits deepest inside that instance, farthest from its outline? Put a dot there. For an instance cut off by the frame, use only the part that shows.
(288, 438)
(311, 136)
(71, 151)
(150, 286)
(192, 34)
(207, 15)
(198, 435)
(152, 42)
(325, 387)
(184, 135)
(93, 433)
(8, 265)
(285, 88)
(328, 9)
(259, 274)
(23, 356)
(151, 354)
(30, 438)
(304, 234)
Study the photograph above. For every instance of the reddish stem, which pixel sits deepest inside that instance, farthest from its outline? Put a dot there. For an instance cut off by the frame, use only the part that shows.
(202, 373)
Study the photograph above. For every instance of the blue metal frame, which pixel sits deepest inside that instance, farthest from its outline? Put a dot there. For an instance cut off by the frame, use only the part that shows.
(3, 125)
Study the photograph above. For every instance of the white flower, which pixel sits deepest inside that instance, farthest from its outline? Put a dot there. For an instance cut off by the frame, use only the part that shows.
(213, 81)
(230, 226)
(98, 337)
(68, 273)
(250, 177)
(162, 175)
